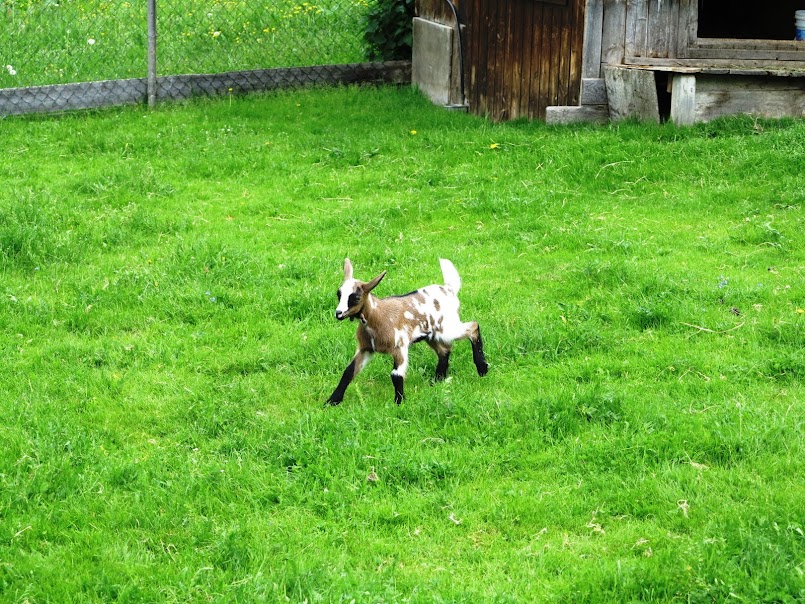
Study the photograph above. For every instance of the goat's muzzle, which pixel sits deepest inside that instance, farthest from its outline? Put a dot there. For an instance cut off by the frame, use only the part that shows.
(340, 315)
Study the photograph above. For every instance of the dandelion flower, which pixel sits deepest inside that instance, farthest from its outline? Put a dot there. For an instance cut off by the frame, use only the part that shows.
(494, 146)
(801, 311)
(215, 34)
(413, 132)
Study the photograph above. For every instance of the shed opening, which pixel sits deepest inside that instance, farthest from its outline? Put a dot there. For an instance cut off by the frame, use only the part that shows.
(748, 20)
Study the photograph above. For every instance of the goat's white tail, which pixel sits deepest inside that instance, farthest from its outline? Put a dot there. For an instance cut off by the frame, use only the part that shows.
(452, 280)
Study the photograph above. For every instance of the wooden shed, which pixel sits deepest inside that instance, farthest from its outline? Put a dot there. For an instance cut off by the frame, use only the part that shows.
(593, 60)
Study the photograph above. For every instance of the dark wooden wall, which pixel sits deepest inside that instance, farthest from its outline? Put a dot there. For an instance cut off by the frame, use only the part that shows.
(522, 56)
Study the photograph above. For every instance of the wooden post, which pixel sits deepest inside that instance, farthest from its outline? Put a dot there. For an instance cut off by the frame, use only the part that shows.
(152, 52)
(683, 99)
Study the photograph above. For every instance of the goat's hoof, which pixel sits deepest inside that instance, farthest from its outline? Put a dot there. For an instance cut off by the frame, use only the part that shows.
(483, 369)
(331, 403)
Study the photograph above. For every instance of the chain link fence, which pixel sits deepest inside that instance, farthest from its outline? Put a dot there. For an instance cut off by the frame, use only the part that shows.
(65, 54)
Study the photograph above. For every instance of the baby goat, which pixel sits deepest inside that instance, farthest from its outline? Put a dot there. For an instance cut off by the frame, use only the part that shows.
(391, 325)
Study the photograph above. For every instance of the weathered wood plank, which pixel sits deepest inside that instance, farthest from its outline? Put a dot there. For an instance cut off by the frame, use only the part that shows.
(593, 32)
(683, 99)
(688, 25)
(658, 28)
(456, 96)
(509, 64)
(593, 114)
(741, 53)
(632, 93)
(727, 64)
(563, 60)
(593, 91)
(576, 53)
(527, 53)
(673, 27)
(614, 41)
(513, 61)
(746, 44)
(555, 58)
(489, 34)
(502, 33)
(715, 83)
(538, 32)
(545, 62)
(471, 17)
(717, 96)
(636, 28)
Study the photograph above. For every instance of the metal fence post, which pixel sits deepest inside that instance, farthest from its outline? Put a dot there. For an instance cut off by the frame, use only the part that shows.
(152, 53)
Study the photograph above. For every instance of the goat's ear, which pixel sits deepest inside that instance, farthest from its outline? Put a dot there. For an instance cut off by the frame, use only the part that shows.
(347, 269)
(367, 287)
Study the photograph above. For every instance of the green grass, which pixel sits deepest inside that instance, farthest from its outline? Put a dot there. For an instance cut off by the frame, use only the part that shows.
(167, 288)
(85, 40)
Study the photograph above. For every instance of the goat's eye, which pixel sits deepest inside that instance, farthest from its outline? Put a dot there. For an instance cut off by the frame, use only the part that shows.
(338, 294)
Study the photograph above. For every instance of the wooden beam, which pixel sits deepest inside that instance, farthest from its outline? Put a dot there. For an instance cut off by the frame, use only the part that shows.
(776, 67)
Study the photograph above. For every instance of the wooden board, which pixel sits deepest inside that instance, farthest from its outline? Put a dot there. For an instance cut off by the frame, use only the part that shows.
(593, 32)
(683, 99)
(771, 97)
(727, 65)
(613, 45)
(632, 94)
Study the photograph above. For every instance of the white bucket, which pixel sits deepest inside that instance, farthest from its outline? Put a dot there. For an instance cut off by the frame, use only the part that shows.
(799, 24)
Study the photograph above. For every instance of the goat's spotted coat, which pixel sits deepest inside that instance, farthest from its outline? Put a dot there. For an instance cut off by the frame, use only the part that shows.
(390, 325)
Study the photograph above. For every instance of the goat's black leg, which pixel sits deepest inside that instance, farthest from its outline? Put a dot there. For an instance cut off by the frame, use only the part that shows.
(400, 357)
(478, 356)
(443, 353)
(398, 381)
(441, 366)
(358, 362)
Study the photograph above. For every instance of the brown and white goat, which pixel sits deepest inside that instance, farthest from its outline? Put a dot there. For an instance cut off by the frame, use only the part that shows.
(390, 325)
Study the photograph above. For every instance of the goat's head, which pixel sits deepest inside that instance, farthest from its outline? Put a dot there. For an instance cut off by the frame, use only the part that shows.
(353, 293)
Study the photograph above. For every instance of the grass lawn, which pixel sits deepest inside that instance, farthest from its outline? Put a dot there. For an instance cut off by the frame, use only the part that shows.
(167, 297)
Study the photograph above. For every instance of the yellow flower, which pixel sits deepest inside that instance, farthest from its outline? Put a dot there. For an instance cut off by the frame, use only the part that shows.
(801, 311)
(413, 132)
(494, 146)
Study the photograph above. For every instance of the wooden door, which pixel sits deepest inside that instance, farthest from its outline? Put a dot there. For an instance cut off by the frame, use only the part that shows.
(522, 56)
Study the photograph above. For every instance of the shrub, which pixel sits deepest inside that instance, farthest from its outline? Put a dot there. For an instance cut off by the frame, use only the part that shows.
(389, 30)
